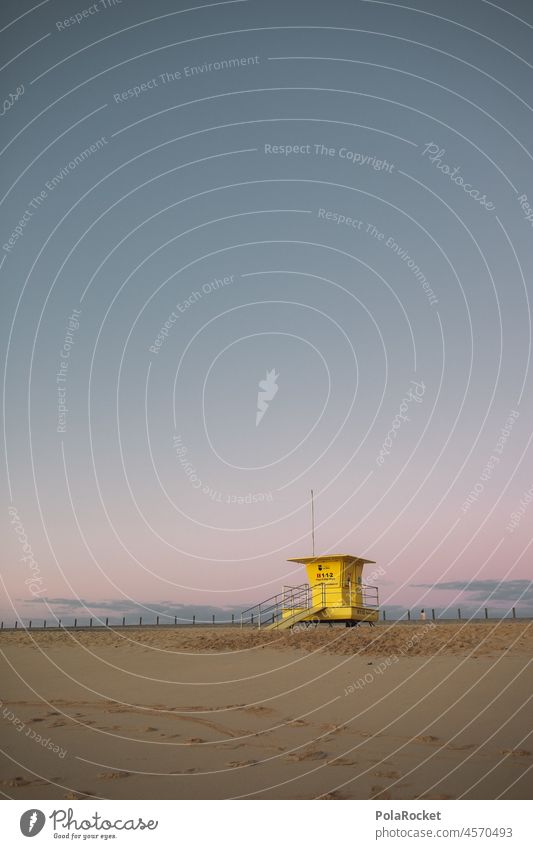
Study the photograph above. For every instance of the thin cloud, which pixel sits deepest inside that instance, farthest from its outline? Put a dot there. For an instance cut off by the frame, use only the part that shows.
(124, 607)
(483, 590)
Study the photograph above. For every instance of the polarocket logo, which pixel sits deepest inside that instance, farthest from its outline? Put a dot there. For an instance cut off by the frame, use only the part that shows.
(267, 390)
(32, 822)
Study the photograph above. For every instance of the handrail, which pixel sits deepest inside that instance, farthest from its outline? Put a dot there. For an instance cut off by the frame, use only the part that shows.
(301, 587)
(271, 608)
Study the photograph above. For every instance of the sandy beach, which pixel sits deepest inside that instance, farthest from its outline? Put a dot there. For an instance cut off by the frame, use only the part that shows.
(399, 711)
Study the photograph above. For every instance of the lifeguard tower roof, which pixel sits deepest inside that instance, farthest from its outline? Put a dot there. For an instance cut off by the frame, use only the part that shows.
(325, 557)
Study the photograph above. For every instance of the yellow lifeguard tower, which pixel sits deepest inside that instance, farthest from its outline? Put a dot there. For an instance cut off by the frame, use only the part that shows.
(335, 593)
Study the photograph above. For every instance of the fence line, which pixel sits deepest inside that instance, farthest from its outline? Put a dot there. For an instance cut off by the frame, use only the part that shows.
(407, 617)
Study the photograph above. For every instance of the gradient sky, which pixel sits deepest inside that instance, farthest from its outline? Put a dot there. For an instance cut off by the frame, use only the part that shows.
(139, 503)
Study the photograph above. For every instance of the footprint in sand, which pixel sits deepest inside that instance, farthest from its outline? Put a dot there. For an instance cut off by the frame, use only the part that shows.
(193, 740)
(426, 738)
(257, 709)
(17, 781)
(378, 792)
(306, 755)
(241, 763)
(112, 775)
(343, 761)
(296, 723)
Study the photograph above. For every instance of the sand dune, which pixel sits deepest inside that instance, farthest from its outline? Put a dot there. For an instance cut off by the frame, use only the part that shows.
(415, 638)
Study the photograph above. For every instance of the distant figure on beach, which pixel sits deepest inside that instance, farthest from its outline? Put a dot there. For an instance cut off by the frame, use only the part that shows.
(422, 614)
